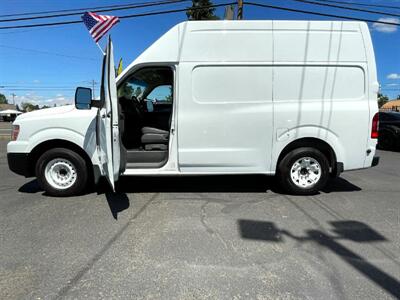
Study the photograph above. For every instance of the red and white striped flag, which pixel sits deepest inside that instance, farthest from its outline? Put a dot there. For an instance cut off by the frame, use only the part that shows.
(98, 25)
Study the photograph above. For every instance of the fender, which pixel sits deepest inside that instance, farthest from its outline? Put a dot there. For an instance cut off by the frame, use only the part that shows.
(284, 137)
(87, 142)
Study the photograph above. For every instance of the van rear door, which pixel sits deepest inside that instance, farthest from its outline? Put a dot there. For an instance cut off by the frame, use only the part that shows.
(108, 137)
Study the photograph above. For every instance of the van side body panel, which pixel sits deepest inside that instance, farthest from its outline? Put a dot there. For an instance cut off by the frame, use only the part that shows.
(225, 111)
(320, 87)
(318, 74)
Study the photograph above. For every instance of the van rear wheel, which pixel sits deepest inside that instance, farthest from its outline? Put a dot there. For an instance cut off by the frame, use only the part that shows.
(62, 172)
(303, 171)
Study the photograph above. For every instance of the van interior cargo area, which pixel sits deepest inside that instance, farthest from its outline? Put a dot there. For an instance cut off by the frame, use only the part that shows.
(145, 102)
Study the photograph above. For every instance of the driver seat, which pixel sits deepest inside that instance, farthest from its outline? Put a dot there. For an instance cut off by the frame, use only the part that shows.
(155, 138)
(153, 130)
(153, 135)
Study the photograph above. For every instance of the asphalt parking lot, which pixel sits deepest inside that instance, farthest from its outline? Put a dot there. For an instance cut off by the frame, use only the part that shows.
(224, 237)
(5, 130)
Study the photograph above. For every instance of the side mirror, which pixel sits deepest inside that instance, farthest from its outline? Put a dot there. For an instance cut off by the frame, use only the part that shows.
(83, 98)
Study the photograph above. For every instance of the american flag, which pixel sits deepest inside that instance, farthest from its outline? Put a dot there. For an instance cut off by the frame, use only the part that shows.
(98, 25)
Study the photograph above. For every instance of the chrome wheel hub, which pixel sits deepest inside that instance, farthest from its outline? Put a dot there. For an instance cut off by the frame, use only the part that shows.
(60, 173)
(305, 172)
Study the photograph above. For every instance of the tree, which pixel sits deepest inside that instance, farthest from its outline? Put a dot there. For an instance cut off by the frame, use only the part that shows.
(3, 99)
(168, 98)
(382, 99)
(206, 13)
(398, 97)
(26, 106)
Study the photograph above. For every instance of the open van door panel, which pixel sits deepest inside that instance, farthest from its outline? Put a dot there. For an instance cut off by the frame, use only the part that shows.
(108, 121)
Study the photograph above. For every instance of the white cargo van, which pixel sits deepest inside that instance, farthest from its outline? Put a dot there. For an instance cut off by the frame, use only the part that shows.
(296, 99)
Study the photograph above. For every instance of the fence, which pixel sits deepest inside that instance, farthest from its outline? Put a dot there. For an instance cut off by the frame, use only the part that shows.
(393, 108)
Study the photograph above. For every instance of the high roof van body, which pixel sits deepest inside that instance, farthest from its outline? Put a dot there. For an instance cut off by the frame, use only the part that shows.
(296, 99)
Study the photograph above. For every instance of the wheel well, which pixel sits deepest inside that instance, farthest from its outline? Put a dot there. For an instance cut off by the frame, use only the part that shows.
(57, 143)
(318, 144)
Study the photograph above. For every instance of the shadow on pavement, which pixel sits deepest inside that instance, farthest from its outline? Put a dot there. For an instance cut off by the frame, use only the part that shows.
(217, 184)
(117, 202)
(30, 187)
(340, 185)
(197, 184)
(341, 230)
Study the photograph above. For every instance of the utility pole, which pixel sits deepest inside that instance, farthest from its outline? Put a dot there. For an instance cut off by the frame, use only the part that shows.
(229, 12)
(240, 10)
(93, 82)
(13, 95)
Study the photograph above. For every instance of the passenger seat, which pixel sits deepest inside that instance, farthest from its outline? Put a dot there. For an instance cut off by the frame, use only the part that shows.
(154, 138)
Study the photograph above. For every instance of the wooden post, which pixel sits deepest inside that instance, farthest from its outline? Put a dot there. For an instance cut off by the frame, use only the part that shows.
(240, 10)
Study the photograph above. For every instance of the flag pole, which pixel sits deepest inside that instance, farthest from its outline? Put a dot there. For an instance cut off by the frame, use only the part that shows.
(100, 48)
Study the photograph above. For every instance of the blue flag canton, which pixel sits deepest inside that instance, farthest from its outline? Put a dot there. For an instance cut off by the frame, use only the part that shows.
(89, 21)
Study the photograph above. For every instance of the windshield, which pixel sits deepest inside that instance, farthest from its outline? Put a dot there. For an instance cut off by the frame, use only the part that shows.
(133, 87)
(144, 81)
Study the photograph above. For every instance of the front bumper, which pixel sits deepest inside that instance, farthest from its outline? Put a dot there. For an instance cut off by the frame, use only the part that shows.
(18, 163)
(375, 161)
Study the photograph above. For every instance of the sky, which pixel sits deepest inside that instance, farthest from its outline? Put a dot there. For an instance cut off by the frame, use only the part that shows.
(44, 65)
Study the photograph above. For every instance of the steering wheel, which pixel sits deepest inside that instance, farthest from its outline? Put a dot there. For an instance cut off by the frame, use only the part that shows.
(139, 104)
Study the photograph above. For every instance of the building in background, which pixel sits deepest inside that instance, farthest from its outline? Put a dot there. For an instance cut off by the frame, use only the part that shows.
(8, 112)
(392, 105)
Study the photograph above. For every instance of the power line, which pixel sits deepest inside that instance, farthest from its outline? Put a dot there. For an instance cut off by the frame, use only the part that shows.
(38, 83)
(348, 8)
(360, 4)
(47, 52)
(18, 31)
(173, 11)
(39, 89)
(40, 86)
(121, 17)
(125, 7)
(77, 9)
(211, 6)
(319, 13)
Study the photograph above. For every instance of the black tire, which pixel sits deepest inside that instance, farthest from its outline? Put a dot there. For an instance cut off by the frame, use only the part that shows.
(285, 166)
(65, 155)
(386, 140)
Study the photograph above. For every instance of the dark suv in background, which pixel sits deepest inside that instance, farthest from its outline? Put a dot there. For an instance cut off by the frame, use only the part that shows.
(389, 130)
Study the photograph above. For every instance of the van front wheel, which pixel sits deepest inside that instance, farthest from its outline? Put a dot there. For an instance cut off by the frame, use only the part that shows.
(62, 172)
(303, 171)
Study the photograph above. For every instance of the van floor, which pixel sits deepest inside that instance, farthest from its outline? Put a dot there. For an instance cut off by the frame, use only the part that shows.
(140, 158)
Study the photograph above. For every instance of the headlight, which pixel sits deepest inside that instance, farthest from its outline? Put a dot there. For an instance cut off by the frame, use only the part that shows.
(15, 132)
